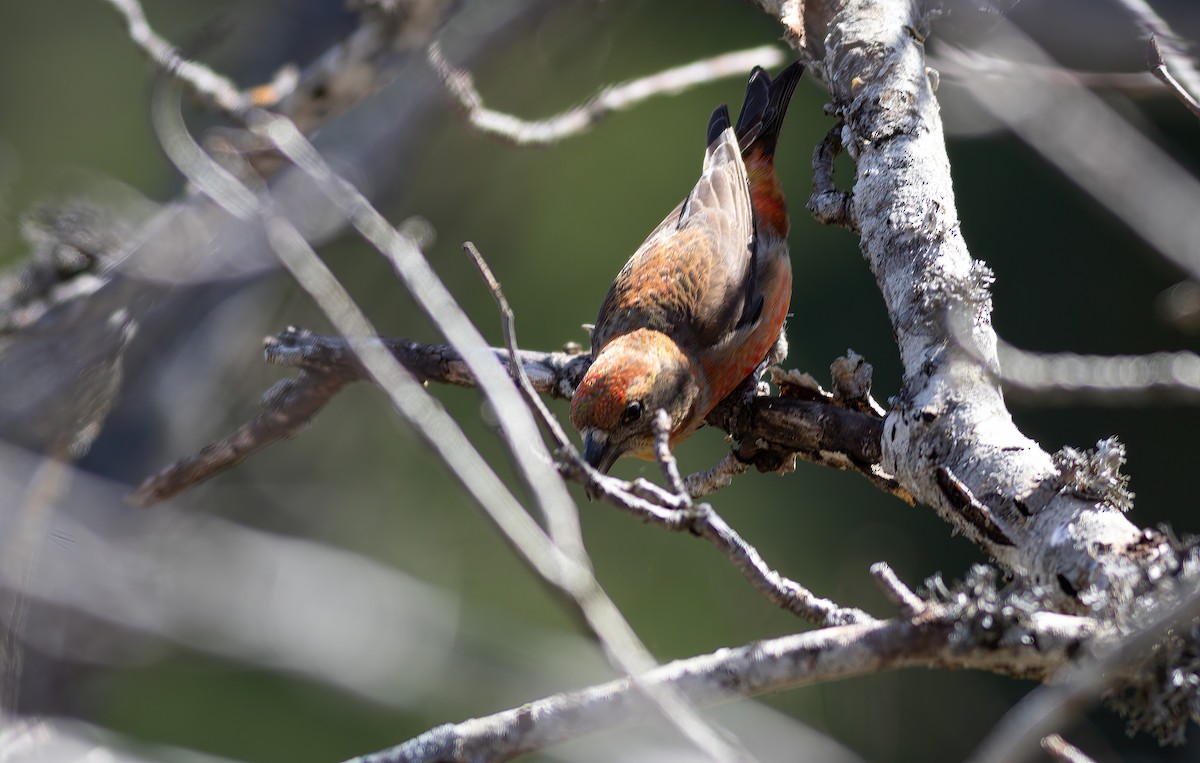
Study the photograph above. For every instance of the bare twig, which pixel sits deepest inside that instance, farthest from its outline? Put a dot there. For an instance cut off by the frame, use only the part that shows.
(287, 408)
(626, 95)
(319, 92)
(550, 373)
(1158, 67)
(662, 451)
(717, 476)
(553, 374)
(671, 511)
(1155, 25)
(894, 589)
(704, 521)
(1063, 751)
(515, 366)
(603, 616)
(218, 90)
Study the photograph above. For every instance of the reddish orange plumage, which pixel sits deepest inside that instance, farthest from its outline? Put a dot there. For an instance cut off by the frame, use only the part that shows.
(702, 302)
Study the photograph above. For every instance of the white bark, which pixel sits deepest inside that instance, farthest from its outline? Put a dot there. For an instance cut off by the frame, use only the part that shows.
(949, 439)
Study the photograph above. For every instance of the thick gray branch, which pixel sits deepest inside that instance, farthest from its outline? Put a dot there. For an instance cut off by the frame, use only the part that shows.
(950, 418)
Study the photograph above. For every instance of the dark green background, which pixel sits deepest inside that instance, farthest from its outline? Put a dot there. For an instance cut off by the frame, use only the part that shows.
(556, 224)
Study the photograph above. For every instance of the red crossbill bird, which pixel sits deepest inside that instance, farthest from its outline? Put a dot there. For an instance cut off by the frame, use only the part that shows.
(702, 302)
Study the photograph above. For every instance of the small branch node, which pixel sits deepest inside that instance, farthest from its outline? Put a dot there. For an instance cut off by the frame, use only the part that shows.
(909, 604)
(851, 377)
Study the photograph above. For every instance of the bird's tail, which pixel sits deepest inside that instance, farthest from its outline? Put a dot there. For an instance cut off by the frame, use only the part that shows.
(757, 131)
(764, 107)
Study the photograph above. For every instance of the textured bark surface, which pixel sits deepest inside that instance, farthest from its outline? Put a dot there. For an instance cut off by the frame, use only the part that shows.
(949, 438)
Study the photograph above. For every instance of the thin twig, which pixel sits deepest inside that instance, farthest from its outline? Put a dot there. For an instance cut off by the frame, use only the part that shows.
(515, 366)
(676, 709)
(214, 88)
(1158, 67)
(1155, 25)
(1063, 751)
(894, 589)
(287, 408)
(662, 452)
(461, 86)
(672, 511)
(821, 431)
(717, 476)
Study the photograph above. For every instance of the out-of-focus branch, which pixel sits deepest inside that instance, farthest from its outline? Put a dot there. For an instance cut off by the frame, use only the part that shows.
(942, 638)
(958, 64)
(1160, 376)
(1105, 155)
(346, 74)
(461, 86)
(216, 89)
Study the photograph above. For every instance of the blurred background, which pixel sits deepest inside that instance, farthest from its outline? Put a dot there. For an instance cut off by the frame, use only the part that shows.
(337, 593)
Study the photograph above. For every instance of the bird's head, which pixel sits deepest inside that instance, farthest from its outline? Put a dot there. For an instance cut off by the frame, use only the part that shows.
(630, 380)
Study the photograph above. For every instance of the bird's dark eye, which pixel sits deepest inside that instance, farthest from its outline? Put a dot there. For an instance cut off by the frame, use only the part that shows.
(632, 412)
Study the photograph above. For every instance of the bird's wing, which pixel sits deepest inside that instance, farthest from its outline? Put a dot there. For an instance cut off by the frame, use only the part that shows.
(694, 276)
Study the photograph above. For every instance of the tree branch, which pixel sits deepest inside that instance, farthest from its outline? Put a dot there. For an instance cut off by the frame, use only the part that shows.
(460, 85)
(1063, 751)
(945, 637)
(1053, 520)
(1158, 67)
(814, 427)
